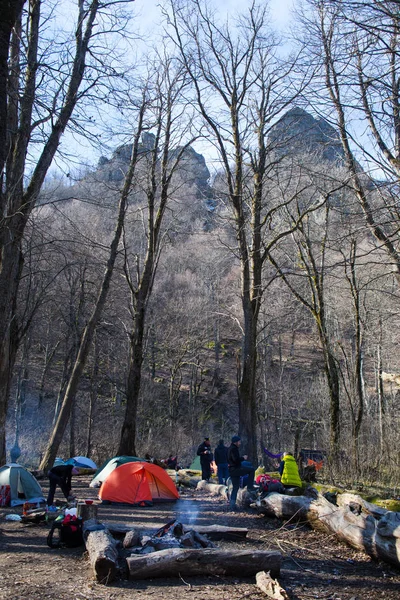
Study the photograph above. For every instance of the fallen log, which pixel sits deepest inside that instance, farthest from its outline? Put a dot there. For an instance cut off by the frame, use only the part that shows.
(244, 498)
(176, 562)
(186, 479)
(217, 532)
(102, 551)
(270, 586)
(117, 529)
(214, 489)
(346, 499)
(377, 538)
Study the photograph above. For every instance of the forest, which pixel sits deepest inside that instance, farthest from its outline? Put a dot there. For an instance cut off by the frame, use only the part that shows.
(231, 263)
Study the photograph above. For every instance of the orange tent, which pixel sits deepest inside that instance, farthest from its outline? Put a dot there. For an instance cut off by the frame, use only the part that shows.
(137, 483)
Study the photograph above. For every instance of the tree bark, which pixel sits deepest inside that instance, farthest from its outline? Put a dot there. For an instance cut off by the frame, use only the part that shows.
(102, 551)
(218, 532)
(175, 562)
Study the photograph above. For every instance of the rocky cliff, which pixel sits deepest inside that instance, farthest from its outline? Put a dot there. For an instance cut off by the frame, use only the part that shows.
(298, 132)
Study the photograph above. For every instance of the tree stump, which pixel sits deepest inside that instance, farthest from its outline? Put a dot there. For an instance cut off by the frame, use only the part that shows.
(86, 511)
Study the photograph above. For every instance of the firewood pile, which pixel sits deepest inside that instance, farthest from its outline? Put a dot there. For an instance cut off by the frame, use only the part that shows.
(171, 535)
(171, 551)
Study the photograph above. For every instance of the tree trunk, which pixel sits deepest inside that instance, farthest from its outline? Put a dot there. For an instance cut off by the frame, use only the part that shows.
(176, 562)
(92, 397)
(377, 538)
(10, 270)
(247, 384)
(127, 444)
(10, 13)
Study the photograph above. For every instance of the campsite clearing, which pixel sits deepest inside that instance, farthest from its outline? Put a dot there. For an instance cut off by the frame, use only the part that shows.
(314, 565)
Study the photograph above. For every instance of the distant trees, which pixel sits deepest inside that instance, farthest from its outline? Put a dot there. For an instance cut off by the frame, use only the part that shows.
(88, 333)
(354, 49)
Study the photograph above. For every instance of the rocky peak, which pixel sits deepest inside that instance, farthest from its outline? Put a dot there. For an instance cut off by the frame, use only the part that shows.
(192, 164)
(299, 132)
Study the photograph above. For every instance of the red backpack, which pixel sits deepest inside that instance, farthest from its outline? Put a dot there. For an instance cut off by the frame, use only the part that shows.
(269, 484)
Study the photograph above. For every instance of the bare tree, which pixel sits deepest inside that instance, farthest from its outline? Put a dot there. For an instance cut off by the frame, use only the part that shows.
(170, 119)
(355, 44)
(240, 88)
(38, 95)
(90, 328)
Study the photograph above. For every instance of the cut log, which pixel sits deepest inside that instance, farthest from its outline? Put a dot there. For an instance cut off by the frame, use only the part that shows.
(378, 538)
(217, 532)
(214, 489)
(270, 586)
(86, 511)
(187, 562)
(132, 538)
(102, 551)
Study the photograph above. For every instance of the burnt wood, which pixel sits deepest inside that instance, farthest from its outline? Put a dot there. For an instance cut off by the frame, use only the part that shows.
(176, 562)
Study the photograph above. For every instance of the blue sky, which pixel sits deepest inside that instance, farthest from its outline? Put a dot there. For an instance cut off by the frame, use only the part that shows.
(146, 18)
(280, 9)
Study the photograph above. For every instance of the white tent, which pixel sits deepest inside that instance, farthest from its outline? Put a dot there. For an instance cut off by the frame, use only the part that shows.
(24, 487)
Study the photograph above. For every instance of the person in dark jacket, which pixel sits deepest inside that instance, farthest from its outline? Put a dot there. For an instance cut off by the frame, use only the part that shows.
(61, 475)
(237, 470)
(206, 458)
(221, 460)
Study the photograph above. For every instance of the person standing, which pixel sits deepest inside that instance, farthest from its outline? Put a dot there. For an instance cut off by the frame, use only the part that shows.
(61, 476)
(237, 470)
(221, 460)
(206, 458)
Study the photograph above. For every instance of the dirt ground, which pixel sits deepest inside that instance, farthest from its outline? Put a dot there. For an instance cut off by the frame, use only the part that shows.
(314, 565)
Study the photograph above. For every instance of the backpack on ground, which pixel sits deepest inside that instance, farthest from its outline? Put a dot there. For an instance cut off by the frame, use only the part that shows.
(70, 533)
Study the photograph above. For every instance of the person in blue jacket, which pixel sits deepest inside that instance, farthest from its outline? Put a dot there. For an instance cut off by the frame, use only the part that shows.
(221, 460)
